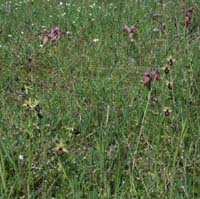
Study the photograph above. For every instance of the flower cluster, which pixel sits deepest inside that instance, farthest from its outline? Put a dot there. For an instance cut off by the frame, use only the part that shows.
(149, 75)
(52, 35)
(169, 82)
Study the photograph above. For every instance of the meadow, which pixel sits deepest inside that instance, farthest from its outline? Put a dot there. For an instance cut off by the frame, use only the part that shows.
(100, 112)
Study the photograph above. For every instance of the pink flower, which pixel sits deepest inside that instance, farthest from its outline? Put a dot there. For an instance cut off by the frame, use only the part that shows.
(149, 75)
(52, 35)
(132, 30)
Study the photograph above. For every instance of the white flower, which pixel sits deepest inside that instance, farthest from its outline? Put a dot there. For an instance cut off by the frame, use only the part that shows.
(61, 3)
(95, 40)
(21, 157)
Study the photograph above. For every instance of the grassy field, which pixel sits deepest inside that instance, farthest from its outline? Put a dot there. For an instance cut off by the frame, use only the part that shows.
(77, 121)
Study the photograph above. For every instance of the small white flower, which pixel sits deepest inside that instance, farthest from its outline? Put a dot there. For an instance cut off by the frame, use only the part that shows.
(21, 157)
(61, 3)
(95, 40)
(9, 35)
(41, 45)
(22, 32)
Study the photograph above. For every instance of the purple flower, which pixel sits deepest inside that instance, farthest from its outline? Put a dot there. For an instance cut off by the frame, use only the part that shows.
(132, 30)
(52, 35)
(189, 10)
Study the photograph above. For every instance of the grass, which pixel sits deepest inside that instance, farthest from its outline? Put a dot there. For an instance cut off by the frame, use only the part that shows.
(123, 145)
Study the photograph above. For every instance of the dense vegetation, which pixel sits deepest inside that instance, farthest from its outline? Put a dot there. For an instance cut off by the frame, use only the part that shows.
(100, 112)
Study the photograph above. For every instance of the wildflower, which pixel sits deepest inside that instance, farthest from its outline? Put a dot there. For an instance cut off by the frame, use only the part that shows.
(95, 40)
(187, 21)
(169, 85)
(166, 69)
(51, 35)
(21, 157)
(60, 148)
(30, 103)
(170, 60)
(132, 30)
(33, 105)
(74, 131)
(156, 75)
(37, 108)
(149, 74)
(188, 11)
(167, 111)
(188, 15)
